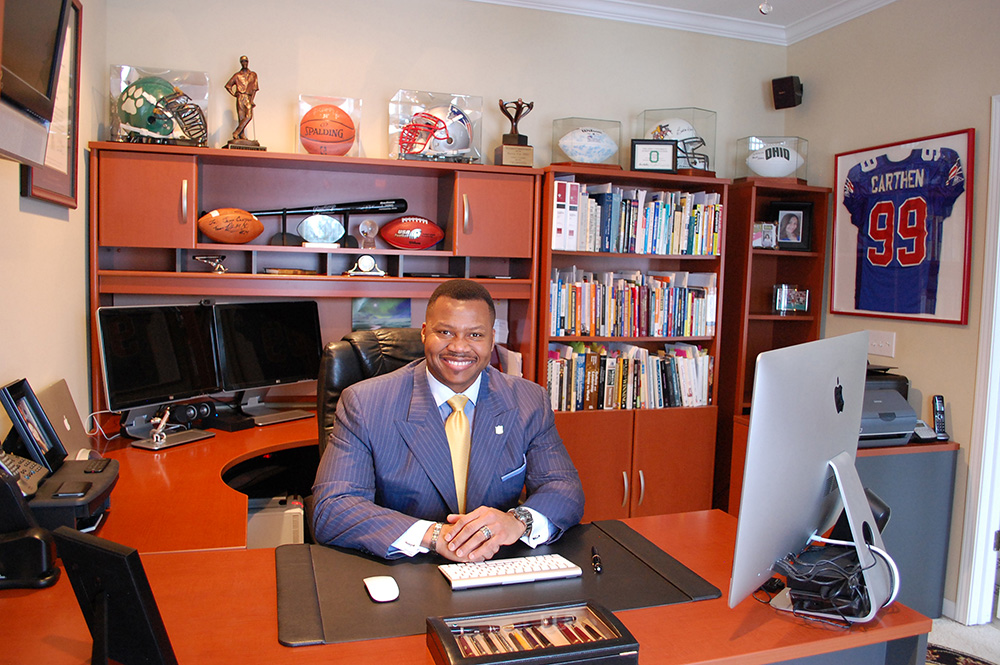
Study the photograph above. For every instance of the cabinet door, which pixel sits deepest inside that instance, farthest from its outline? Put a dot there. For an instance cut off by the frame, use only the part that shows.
(494, 215)
(673, 460)
(147, 200)
(600, 444)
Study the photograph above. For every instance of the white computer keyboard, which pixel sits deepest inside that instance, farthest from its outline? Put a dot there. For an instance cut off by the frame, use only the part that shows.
(509, 571)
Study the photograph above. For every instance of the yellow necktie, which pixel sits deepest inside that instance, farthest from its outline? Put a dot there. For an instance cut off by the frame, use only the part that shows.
(456, 427)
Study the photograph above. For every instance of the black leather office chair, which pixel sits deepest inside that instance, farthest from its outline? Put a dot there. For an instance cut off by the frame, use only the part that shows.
(360, 355)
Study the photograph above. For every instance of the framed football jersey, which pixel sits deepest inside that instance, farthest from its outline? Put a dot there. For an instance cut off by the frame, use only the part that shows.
(902, 234)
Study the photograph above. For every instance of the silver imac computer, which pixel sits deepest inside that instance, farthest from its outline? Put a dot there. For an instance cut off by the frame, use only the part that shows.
(805, 420)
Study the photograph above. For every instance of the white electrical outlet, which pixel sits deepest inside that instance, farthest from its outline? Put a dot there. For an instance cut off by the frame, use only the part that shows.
(882, 343)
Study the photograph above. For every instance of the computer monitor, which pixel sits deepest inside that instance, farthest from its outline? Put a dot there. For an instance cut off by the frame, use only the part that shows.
(116, 600)
(266, 344)
(805, 419)
(155, 355)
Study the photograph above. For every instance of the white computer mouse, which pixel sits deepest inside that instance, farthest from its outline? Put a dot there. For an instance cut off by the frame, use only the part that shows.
(382, 588)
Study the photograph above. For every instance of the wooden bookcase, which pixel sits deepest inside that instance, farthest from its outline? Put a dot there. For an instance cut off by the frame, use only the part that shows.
(635, 461)
(146, 200)
(752, 326)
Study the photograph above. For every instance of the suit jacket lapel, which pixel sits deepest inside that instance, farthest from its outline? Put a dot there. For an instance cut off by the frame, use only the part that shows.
(492, 425)
(423, 432)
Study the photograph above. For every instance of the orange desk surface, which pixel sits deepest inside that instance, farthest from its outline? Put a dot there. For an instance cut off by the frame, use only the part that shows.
(219, 606)
(174, 499)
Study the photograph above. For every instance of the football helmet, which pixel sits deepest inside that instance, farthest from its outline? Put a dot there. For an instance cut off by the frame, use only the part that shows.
(153, 110)
(437, 133)
(688, 142)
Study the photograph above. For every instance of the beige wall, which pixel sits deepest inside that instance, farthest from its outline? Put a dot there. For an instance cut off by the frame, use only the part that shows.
(913, 68)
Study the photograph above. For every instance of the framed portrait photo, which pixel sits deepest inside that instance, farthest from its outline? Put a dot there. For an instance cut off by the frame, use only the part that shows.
(902, 233)
(793, 221)
(38, 438)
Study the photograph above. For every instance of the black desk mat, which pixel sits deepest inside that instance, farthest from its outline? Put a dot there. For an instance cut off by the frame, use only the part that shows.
(322, 599)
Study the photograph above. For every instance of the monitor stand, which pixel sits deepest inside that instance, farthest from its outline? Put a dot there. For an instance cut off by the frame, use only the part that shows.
(142, 424)
(252, 404)
(864, 531)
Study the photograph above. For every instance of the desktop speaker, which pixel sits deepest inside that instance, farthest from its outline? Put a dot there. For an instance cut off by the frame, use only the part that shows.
(787, 92)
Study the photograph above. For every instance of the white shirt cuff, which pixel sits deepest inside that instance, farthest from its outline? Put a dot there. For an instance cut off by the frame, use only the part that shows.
(409, 543)
(541, 529)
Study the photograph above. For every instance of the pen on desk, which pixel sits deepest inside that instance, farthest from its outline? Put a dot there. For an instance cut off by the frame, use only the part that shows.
(519, 641)
(547, 621)
(595, 559)
(593, 632)
(568, 633)
(463, 646)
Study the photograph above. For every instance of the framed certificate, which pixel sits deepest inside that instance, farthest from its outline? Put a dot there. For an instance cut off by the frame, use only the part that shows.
(650, 155)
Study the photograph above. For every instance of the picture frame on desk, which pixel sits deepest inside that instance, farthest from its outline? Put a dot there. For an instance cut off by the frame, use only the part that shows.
(902, 234)
(794, 225)
(38, 439)
(56, 182)
(655, 156)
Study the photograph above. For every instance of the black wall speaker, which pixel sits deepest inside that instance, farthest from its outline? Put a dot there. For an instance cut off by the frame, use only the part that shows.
(787, 92)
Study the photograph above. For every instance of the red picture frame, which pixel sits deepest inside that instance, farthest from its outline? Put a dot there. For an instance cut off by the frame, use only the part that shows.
(902, 233)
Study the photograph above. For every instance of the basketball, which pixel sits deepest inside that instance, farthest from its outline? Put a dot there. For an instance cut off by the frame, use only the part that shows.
(326, 130)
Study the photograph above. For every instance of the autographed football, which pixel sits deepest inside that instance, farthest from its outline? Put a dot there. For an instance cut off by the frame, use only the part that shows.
(230, 225)
(774, 161)
(588, 145)
(411, 232)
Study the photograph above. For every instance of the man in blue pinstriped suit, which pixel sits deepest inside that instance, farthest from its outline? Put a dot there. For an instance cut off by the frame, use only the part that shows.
(385, 484)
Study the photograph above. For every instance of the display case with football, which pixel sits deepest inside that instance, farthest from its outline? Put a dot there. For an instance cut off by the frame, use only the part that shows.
(586, 141)
(692, 128)
(779, 158)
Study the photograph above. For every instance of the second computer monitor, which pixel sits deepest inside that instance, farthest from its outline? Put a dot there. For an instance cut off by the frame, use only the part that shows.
(266, 344)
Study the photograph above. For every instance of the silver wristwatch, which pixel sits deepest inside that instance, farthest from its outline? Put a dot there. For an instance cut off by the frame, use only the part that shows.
(524, 515)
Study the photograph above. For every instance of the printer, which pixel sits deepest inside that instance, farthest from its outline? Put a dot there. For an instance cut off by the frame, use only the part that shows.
(887, 419)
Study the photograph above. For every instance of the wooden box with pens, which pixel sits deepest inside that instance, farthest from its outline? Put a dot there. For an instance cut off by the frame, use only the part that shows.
(556, 634)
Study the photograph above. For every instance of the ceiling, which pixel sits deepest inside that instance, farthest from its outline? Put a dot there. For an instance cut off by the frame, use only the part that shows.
(788, 22)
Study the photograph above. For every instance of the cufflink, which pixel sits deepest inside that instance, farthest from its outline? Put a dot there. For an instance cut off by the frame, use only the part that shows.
(498, 429)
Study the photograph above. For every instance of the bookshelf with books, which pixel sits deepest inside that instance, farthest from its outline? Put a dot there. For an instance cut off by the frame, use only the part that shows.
(630, 276)
(752, 324)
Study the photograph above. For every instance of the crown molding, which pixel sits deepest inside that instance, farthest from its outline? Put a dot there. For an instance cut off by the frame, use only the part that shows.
(709, 24)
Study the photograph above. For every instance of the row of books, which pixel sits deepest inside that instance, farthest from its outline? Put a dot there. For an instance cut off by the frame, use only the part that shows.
(608, 218)
(625, 376)
(632, 303)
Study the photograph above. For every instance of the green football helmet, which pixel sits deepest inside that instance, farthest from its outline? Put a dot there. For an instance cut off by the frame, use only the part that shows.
(153, 110)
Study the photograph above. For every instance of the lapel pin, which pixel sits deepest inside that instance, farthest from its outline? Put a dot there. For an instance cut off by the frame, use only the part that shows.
(499, 429)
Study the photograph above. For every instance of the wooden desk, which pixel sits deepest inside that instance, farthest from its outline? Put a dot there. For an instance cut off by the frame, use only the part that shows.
(219, 606)
(218, 599)
(175, 499)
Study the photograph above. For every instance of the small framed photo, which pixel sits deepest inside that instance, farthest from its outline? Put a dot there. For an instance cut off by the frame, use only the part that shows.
(40, 440)
(765, 236)
(651, 155)
(794, 224)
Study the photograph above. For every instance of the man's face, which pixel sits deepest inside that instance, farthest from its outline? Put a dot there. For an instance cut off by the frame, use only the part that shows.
(458, 341)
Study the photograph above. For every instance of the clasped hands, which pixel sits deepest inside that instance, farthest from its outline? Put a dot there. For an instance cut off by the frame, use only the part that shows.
(477, 536)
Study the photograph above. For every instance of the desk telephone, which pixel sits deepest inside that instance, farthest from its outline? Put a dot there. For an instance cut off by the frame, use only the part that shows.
(28, 473)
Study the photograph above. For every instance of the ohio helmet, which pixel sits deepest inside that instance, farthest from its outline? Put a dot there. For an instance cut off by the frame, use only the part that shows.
(153, 109)
(688, 142)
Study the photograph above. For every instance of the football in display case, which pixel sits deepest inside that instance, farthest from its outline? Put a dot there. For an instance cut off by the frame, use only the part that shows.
(165, 106)
(585, 140)
(692, 128)
(435, 126)
(329, 126)
(772, 157)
